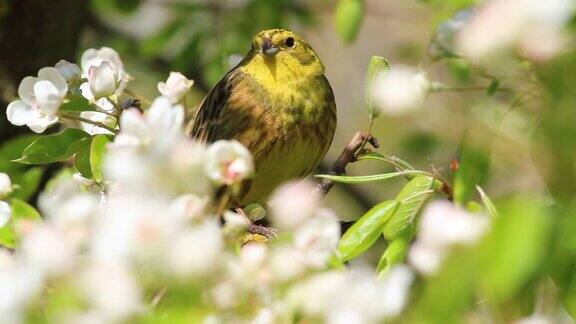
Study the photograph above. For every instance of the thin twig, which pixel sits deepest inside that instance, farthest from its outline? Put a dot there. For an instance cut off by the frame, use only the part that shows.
(347, 156)
(88, 121)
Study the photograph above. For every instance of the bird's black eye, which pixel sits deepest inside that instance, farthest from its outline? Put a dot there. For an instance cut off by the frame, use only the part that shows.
(290, 41)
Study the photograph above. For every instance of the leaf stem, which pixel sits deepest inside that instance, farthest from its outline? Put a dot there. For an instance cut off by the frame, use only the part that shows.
(446, 88)
(88, 121)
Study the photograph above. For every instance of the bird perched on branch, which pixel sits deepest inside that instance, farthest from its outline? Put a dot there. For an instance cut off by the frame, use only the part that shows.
(279, 104)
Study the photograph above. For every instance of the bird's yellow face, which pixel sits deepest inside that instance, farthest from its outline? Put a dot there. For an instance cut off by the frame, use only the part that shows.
(281, 55)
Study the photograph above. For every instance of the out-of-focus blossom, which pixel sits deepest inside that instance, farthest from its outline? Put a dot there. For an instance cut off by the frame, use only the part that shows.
(444, 225)
(536, 319)
(286, 263)
(400, 90)
(160, 125)
(228, 162)
(69, 71)
(5, 185)
(175, 87)
(234, 222)
(536, 26)
(396, 287)
(190, 207)
(47, 251)
(314, 295)
(317, 238)
(264, 316)
(292, 204)
(112, 290)
(5, 213)
(354, 295)
(20, 284)
(196, 252)
(443, 43)
(69, 210)
(40, 98)
(103, 80)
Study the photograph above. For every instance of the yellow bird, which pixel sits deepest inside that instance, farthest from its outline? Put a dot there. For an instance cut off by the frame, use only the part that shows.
(279, 104)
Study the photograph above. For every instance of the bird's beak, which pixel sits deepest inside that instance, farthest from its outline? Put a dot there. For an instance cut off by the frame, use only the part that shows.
(268, 48)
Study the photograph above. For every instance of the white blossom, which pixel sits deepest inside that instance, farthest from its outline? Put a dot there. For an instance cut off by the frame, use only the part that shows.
(161, 125)
(317, 238)
(111, 289)
(46, 250)
(103, 80)
(190, 207)
(535, 26)
(196, 251)
(20, 284)
(5, 213)
(292, 204)
(100, 118)
(228, 162)
(175, 87)
(400, 90)
(95, 57)
(69, 71)
(234, 222)
(444, 225)
(40, 98)
(5, 185)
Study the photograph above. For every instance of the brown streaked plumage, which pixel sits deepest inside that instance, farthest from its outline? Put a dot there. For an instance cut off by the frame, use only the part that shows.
(278, 103)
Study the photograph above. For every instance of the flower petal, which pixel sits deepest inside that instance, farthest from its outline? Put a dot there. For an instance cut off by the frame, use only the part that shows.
(47, 97)
(51, 74)
(26, 89)
(132, 123)
(5, 213)
(69, 71)
(39, 125)
(19, 113)
(102, 80)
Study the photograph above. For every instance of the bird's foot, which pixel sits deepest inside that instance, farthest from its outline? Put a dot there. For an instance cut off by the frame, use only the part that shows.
(267, 231)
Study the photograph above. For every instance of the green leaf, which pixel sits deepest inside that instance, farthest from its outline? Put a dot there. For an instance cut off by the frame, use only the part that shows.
(349, 16)
(53, 148)
(516, 248)
(11, 150)
(27, 183)
(77, 105)
(412, 197)
(376, 66)
(365, 231)
(487, 202)
(20, 210)
(370, 178)
(492, 88)
(97, 151)
(396, 251)
(472, 171)
(82, 158)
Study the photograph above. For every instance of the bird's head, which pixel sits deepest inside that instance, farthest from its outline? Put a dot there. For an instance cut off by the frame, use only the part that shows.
(283, 47)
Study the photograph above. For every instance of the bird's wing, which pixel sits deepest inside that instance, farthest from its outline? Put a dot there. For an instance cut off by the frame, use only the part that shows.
(205, 125)
(233, 109)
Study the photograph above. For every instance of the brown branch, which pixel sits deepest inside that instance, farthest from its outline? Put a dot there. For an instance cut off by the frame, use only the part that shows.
(347, 156)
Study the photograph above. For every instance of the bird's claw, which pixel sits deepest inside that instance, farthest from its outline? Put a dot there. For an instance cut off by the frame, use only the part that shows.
(269, 232)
